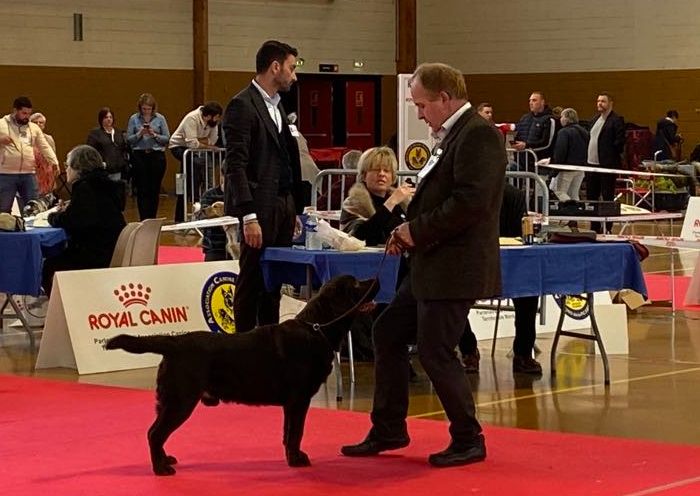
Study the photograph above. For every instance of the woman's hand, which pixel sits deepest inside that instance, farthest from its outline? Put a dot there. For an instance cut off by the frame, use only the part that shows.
(400, 195)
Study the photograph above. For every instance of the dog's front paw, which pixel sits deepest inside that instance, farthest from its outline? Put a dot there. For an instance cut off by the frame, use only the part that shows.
(298, 459)
(163, 469)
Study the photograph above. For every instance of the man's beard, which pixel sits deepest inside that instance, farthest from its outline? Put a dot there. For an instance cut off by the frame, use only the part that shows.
(22, 122)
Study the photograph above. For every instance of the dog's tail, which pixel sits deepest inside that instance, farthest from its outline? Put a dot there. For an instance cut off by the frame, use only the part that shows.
(159, 344)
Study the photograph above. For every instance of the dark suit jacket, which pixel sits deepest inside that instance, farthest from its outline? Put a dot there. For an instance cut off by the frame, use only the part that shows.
(254, 155)
(666, 135)
(611, 141)
(454, 216)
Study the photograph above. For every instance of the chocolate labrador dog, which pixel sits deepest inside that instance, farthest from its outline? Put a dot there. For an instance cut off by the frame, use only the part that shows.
(283, 364)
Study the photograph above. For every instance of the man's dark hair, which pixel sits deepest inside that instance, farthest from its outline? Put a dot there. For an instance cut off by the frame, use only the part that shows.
(22, 102)
(605, 93)
(212, 109)
(483, 105)
(272, 51)
(103, 113)
(673, 114)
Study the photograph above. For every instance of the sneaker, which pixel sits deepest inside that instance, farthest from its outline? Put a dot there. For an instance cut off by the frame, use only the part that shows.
(470, 362)
(526, 365)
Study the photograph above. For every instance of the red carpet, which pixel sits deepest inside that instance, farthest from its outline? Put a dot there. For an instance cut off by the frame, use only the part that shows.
(179, 254)
(659, 287)
(68, 439)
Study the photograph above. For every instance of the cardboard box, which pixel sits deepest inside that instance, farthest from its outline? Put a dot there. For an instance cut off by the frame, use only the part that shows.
(631, 298)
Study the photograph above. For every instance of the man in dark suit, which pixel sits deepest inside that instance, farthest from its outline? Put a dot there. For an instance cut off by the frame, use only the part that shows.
(263, 178)
(667, 139)
(452, 238)
(605, 147)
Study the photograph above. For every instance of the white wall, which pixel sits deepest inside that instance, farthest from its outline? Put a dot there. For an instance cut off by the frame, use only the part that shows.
(158, 33)
(323, 31)
(501, 36)
(118, 33)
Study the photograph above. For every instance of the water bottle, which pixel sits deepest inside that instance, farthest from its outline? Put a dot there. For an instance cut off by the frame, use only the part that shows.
(312, 241)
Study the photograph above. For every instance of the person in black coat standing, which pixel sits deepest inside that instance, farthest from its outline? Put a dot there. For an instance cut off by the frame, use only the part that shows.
(263, 178)
(667, 138)
(92, 220)
(605, 147)
(452, 237)
(571, 148)
(110, 143)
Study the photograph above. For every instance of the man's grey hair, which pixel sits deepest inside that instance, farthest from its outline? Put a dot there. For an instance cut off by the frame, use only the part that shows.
(84, 158)
(570, 116)
(35, 116)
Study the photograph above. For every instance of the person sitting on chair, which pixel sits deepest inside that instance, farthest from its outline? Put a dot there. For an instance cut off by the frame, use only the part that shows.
(512, 211)
(374, 207)
(92, 220)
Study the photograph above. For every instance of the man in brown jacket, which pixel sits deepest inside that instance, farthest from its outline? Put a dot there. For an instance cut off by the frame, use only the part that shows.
(452, 240)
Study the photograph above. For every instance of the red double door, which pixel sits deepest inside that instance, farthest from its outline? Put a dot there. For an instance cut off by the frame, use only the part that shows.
(316, 113)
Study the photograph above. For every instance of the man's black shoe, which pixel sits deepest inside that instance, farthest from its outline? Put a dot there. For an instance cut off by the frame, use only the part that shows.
(526, 365)
(460, 454)
(371, 447)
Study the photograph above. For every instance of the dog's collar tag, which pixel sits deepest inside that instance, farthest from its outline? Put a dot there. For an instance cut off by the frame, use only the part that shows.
(316, 327)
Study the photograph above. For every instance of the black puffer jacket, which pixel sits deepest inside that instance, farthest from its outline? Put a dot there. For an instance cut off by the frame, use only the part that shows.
(534, 130)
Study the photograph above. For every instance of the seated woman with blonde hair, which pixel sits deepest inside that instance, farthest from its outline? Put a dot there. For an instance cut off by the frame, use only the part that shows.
(375, 206)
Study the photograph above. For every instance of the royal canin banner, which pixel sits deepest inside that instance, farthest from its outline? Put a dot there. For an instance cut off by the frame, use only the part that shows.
(88, 307)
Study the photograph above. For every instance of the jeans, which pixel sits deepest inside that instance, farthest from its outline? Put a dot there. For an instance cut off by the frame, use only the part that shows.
(23, 185)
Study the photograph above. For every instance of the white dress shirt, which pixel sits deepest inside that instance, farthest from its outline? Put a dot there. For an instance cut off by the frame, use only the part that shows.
(271, 102)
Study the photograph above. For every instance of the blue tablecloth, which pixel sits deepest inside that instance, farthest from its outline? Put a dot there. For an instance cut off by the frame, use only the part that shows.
(570, 269)
(288, 266)
(525, 271)
(21, 257)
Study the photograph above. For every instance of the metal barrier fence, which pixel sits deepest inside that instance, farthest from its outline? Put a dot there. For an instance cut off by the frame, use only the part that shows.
(525, 161)
(201, 171)
(324, 184)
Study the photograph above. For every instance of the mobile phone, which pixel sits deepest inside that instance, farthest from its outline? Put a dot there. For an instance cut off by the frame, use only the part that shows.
(146, 124)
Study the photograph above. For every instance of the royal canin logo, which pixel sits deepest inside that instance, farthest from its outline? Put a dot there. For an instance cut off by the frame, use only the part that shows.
(130, 294)
(696, 223)
(133, 294)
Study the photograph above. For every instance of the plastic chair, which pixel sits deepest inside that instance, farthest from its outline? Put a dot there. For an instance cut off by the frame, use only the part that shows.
(121, 257)
(351, 159)
(146, 241)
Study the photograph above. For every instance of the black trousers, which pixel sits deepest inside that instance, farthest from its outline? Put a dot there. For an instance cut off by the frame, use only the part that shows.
(600, 186)
(525, 328)
(147, 170)
(437, 326)
(194, 182)
(252, 303)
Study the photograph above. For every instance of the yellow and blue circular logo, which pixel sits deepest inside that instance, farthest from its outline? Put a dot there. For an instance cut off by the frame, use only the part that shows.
(416, 156)
(574, 306)
(217, 302)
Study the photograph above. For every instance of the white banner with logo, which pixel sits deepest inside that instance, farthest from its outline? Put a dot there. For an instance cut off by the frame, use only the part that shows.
(610, 317)
(88, 307)
(414, 140)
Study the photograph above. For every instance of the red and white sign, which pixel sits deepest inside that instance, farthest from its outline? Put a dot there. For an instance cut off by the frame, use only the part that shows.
(88, 307)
